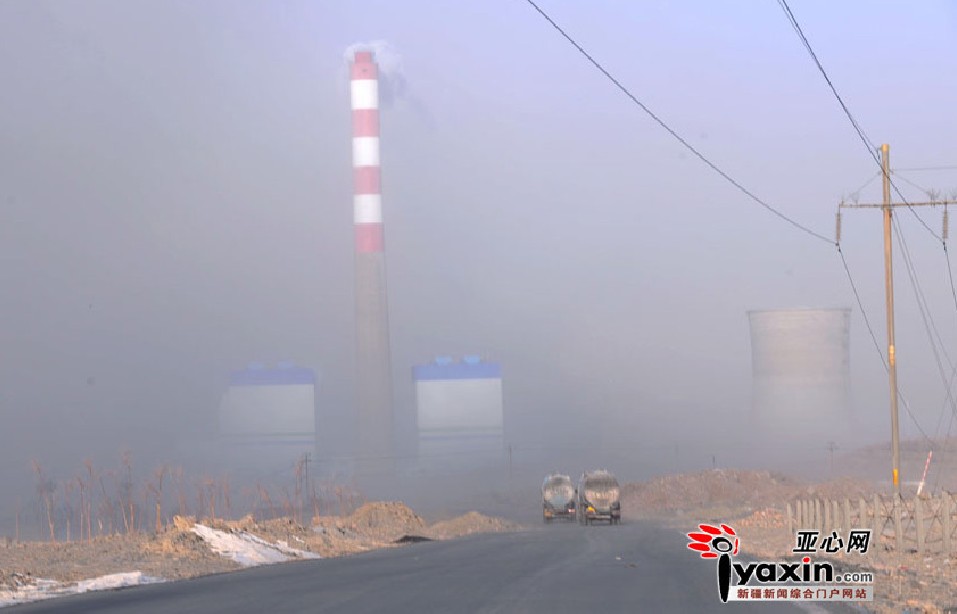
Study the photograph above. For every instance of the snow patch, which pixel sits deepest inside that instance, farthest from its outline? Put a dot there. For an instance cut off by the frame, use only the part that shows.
(247, 549)
(47, 589)
(115, 580)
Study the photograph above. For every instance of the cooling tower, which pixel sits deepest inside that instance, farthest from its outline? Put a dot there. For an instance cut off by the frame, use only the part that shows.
(800, 377)
(373, 360)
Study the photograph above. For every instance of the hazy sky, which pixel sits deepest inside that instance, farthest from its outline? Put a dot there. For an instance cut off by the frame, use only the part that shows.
(175, 201)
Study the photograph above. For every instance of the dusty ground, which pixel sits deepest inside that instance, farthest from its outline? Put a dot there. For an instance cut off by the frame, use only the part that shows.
(750, 501)
(753, 502)
(178, 553)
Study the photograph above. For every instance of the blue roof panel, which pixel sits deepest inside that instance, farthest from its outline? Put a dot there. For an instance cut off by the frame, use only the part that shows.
(453, 371)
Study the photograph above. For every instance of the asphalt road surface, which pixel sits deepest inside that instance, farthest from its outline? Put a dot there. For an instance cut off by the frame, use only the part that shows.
(557, 568)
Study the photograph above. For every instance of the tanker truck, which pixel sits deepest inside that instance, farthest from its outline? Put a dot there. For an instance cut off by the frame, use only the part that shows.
(598, 494)
(558, 497)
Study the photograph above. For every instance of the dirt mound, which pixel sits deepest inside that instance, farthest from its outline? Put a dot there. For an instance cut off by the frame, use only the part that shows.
(737, 491)
(469, 523)
(183, 523)
(719, 487)
(388, 519)
(767, 518)
(180, 544)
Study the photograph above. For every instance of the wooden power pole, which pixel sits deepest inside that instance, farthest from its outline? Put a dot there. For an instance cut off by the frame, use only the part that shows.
(887, 208)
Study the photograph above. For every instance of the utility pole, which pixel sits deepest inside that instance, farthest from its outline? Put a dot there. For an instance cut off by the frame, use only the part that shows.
(891, 357)
(887, 208)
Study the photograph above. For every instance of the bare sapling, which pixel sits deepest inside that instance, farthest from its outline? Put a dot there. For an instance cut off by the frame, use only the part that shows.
(81, 489)
(299, 470)
(107, 508)
(177, 475)
(265, 499)
(46, 490)
(200, 499)
(314, 499)
(210, 485)
(227, 497)
(129, 506)
(156, 489)
(287, 505)
(91, 476)
(68, 507)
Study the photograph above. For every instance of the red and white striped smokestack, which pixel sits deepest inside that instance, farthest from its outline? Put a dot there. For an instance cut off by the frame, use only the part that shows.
(375, 421)
(367, 202)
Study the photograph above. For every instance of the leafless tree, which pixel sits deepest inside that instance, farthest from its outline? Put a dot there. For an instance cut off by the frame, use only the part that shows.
(46, 490)
(17, 534)
(287, 505)
(177, 475)
(127, 489)
(227, 499)
(156, 488)
(91, 475)
(81, 489)
(299, 470)
(68, 507)
(314, 497)
(266, 499)
(107, 507)
(210, 485)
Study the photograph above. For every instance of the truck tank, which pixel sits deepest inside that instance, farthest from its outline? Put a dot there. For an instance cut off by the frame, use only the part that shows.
(558, 497)
(598, 497)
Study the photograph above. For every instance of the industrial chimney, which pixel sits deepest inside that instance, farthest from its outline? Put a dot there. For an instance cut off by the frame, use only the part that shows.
(374, 365)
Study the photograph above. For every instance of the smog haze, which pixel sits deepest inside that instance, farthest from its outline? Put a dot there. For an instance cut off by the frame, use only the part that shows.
(176, 202)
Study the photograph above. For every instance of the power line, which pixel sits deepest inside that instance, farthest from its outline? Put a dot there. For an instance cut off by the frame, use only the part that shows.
(868, 144)
(736, 184)
(807, 45)
(877, 345)
(945, 167)
(857, 192)
(672, 132)
(950, 275)
(919, 294)
(929, 326)
(912, 274)
(933, 195)
(860, 305)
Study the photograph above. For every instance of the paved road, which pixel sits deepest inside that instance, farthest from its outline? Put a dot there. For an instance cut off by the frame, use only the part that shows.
(558, 568)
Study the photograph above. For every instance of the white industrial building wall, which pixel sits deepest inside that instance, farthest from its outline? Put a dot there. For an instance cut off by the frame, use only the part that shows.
(460, 425)
(267, 421)
(269, 410)
(459, 406)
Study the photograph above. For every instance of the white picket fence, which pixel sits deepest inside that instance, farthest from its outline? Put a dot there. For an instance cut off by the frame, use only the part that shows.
(926, 524)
